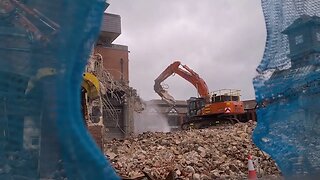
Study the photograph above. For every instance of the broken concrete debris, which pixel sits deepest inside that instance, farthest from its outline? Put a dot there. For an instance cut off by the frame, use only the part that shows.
(215, 153)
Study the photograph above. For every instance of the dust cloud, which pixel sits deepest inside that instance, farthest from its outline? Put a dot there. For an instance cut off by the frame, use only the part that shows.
(150, 119)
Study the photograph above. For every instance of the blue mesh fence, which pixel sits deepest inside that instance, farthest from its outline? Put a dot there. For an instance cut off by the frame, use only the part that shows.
(287, 87)
(44, 46)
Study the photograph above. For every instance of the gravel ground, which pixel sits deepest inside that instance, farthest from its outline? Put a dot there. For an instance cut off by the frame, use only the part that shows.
(214, 153)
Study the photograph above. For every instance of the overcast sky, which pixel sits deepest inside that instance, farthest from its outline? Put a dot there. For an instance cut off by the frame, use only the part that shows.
(222, 40)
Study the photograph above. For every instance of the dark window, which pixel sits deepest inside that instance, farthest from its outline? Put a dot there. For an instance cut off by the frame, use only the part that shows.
(173, 121)
(227, 98)
(121, 63)
(218, 99)
(235, 98)
(35, 140)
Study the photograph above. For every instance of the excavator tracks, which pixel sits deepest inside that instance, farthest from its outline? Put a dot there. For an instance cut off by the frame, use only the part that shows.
(204, 122)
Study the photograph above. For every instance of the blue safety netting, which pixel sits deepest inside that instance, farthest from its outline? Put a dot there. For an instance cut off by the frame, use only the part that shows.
(44, 46)
(287, 87)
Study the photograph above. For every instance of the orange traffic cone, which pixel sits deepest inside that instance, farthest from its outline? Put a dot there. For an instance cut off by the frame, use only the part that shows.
(252, 175)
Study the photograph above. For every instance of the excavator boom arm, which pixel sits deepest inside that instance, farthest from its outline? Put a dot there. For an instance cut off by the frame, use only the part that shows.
(194, 79)
(164, 75)
(187, 74)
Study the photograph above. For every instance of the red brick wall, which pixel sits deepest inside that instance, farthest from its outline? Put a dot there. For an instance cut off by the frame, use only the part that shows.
(112, 62)
(97, 132)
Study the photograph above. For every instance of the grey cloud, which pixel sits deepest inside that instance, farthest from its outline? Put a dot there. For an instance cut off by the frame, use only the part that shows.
(222, 40)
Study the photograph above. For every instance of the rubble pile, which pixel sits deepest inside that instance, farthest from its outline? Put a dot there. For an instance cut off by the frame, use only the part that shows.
(213, 153)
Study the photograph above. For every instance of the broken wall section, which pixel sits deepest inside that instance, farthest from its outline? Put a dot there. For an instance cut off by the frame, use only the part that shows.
(119, 100)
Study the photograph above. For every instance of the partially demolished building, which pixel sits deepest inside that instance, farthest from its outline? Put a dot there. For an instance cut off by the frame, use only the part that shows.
(109, 62)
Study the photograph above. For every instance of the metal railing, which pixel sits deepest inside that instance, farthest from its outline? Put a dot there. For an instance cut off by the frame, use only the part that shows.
(119, 47)
(227, 92)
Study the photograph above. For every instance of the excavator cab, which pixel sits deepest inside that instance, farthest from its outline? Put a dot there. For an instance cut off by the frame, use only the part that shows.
(195, 105)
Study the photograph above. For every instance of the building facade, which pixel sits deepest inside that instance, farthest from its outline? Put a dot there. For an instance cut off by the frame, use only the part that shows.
(120, 100)
(115, 56)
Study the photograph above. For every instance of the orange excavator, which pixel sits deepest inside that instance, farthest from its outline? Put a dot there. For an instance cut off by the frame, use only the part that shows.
(208, 108)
